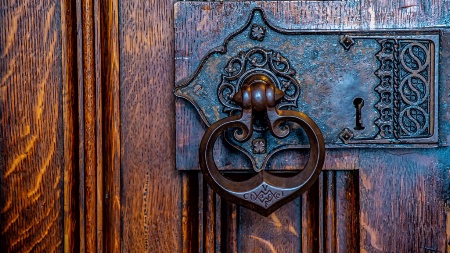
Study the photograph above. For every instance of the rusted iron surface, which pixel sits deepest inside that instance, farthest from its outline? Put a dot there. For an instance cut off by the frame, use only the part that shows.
(324, 74)
(371, 89)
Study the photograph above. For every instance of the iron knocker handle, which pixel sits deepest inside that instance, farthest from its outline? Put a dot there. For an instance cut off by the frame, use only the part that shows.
(264, 192)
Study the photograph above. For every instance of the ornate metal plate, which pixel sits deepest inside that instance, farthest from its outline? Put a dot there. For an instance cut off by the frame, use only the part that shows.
(326, 75)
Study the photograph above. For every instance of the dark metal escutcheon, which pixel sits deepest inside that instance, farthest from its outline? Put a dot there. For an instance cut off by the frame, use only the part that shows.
(264, 192)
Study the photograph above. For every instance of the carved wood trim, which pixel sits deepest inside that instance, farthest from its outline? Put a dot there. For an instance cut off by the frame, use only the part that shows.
(327, 217)
(91, 126)
(109, 20)
(71, 138)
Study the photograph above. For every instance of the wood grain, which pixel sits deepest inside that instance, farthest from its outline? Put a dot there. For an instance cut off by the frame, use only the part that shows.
(110, 62)
(325, 219)
(280, 232)
(70, 116)
(404, 14)
(311, 218)
(32, 142)
(151, 187)
(190, 213)
(329, 211)
(89, 128)
(87, 139)
(401, 202)
(346, 214)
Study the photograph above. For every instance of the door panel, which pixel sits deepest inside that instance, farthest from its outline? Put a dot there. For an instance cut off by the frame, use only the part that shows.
(395, 173)
(150, 185)
(326, 217)
(401, 195)
(88, 141)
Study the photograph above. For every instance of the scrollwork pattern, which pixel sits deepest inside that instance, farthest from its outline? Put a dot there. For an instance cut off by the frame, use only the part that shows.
(414, 88)
(404, 89)
(385, 89)
(271, 63)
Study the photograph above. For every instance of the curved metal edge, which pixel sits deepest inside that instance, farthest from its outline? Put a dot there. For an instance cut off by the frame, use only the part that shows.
(223, 50)
(206, 158)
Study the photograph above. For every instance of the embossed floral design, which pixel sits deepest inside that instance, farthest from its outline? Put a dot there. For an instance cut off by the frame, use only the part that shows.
(257, 60)
(259, 146)
(257, 32)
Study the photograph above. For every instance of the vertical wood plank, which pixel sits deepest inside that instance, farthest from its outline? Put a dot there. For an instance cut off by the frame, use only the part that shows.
(310, 218)
(218, 224)
(89, 126)
(447, 216)
(279, 232)
(31, 127)
(110, 62)
(151, 187)
(347, 212)
(329, 219)
(190, 226)
(231, 220)
(80, 123)
(99, 137)
(201, 213)
(70, 115)
(209, 213)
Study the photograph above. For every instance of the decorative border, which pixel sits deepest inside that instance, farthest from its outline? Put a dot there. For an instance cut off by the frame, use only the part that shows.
(404, 89)
(386, 73)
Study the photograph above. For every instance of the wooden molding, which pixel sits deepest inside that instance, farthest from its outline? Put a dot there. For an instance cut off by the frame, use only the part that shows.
(91, 126)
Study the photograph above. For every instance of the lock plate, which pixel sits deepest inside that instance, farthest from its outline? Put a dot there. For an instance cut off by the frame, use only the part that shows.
(323, 74)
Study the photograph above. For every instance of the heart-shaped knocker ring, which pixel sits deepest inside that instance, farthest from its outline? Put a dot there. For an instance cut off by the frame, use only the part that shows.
(265, 192)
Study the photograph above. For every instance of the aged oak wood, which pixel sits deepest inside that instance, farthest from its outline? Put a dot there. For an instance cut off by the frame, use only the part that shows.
(109, 30)
(51, 135)
(150, 186)
(70, 115)
(87, 144)
(32, 138)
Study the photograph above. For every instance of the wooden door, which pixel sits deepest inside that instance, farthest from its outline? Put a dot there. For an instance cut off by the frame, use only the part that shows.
(88, 143)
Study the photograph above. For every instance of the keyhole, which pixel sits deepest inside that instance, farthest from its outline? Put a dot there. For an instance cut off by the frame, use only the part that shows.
(358, 103)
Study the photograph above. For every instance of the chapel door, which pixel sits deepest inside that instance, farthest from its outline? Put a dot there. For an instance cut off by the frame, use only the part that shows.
(100, 154)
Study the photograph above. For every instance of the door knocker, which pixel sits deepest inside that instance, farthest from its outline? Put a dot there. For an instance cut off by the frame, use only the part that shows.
(264, 192)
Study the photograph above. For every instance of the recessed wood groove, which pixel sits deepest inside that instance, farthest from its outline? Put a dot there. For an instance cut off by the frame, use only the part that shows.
(190, 225)
(71, 128)
(329, 199)
(109, 88)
